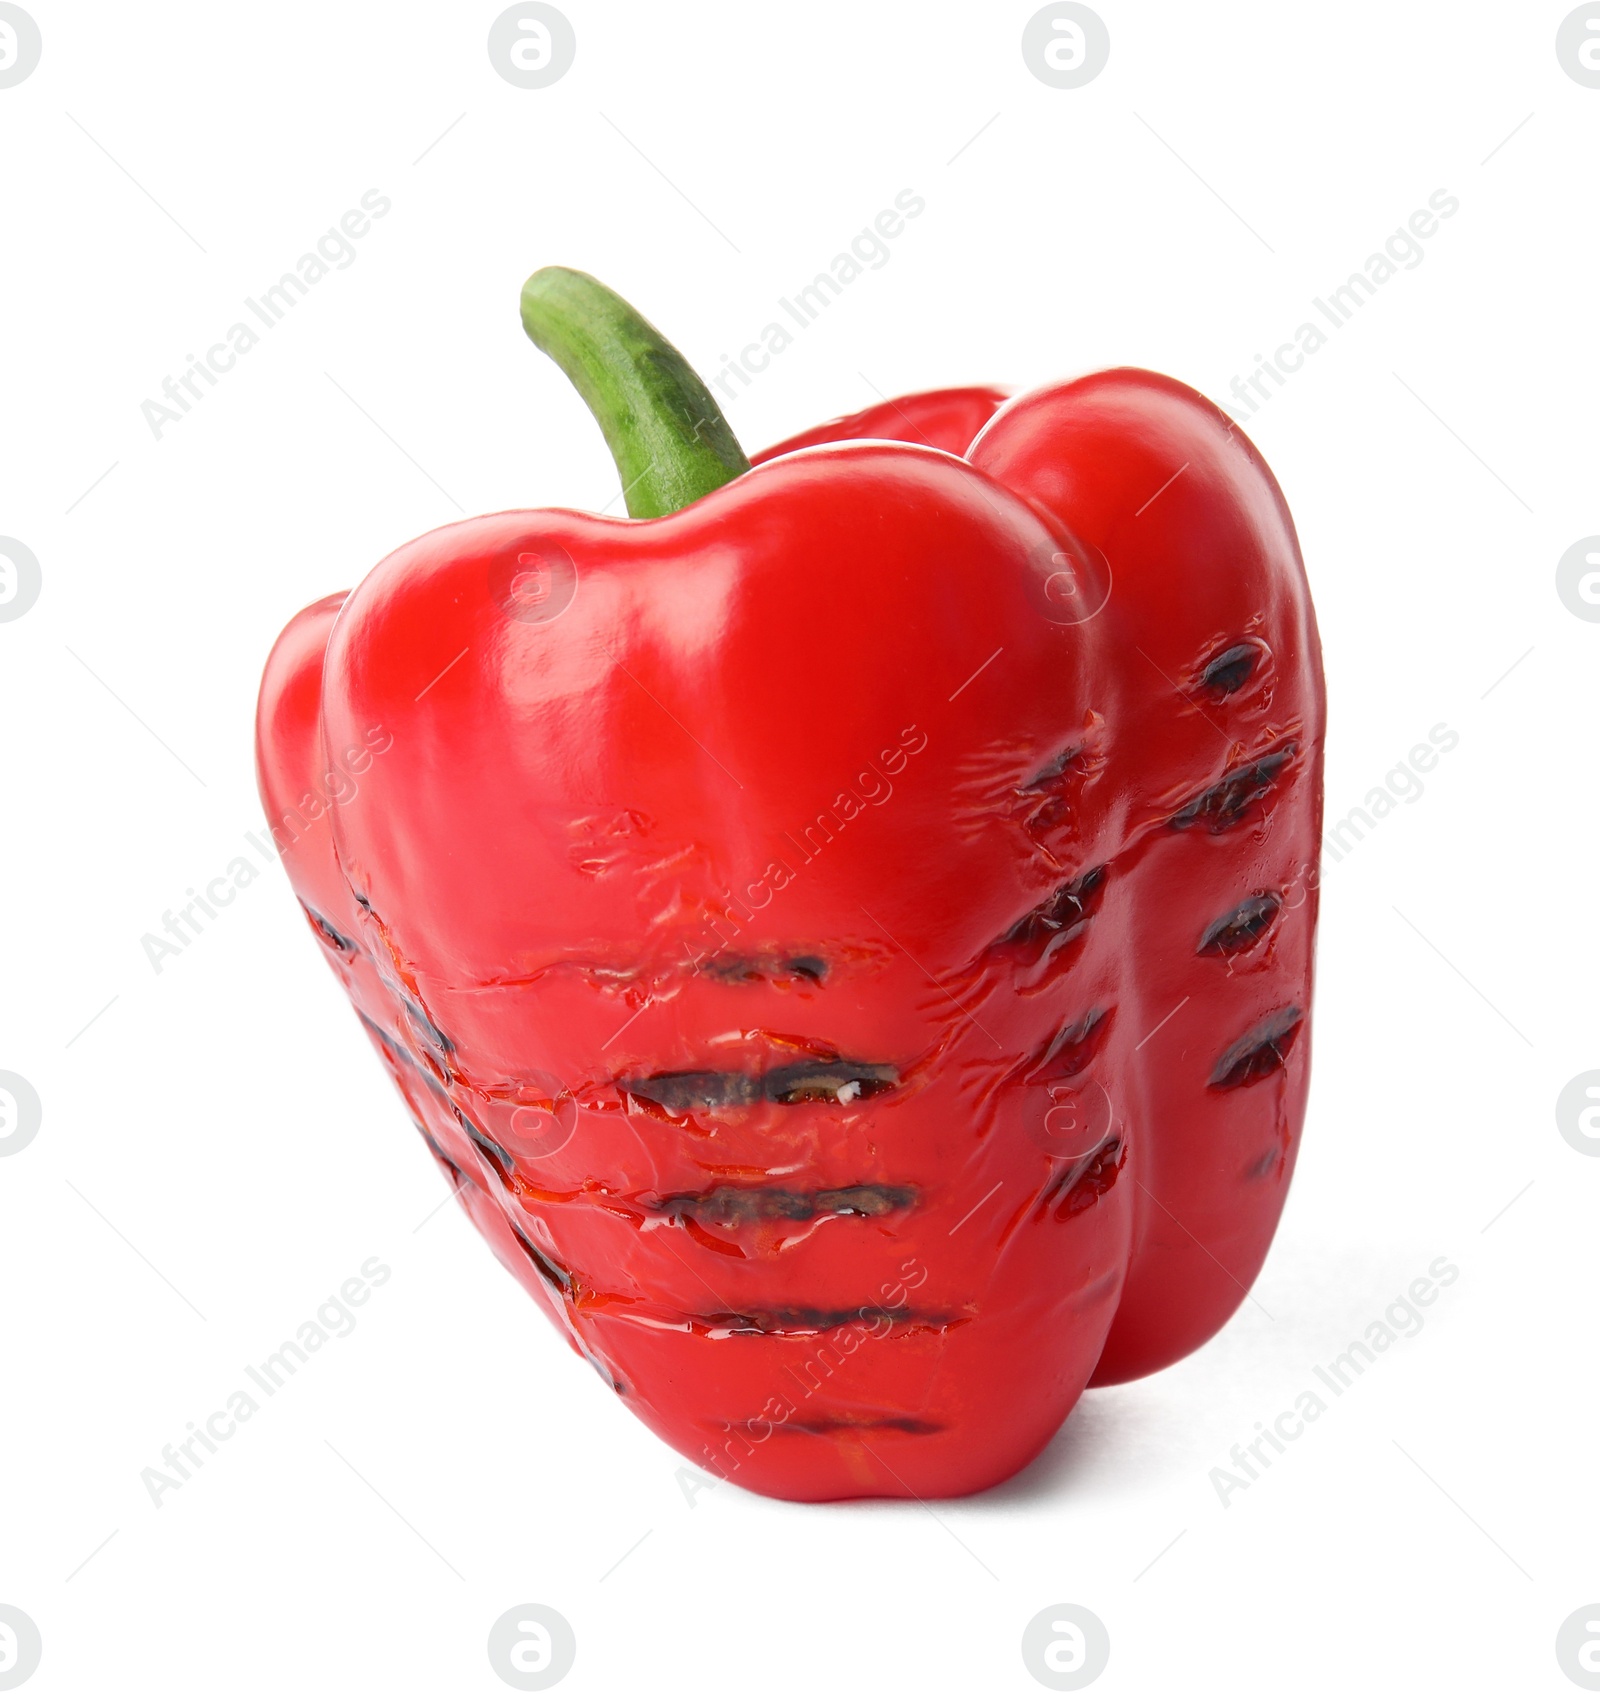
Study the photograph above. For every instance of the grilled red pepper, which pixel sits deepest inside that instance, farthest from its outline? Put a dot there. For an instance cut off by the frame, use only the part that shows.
(848, 935)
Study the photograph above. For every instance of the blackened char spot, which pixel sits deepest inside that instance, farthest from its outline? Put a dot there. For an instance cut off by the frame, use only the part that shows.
(491, 1150)
(381, 1036)
(834, 1081)
(327, 933)
(1229, 671)
(426, 1027)
(1235, 930)
(1228, 802)
(1052, 772)
(1072, 1047)
(1047, 795)
(806, 1320)
(556, 1275)
(1079, 1186)
(844, 1425)
(731, 1206)
(1058, 921)
(742, 968)
(1259, 1051)
(731, 968)
(458, 1178)
(842, 1081)
(401, 1059)
(680, 1092)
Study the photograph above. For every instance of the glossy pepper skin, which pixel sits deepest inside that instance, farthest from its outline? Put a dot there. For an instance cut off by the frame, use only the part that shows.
(847, 938)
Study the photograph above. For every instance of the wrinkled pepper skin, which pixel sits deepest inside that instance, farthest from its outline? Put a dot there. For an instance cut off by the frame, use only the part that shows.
(848, 940)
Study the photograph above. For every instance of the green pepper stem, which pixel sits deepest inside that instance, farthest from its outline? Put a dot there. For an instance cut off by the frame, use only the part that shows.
(668, 436)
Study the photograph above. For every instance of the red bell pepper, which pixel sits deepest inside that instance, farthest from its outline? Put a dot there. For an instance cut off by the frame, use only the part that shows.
(846, 929)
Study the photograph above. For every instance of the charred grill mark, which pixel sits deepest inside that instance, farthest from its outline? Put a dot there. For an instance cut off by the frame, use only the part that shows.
(732, 1207)
(742, 968)
(558, 1276)
(327, 933)
(1081, 1185)
(379, 1034)
(1060, 920)
(458, 1177)
(1047, 797)
(426, 1027)
(774, 1323)
(842, 1426)
(399, 1057)
(402, 1060)
(491, 1149)
(680, 1092)
(1228, 802)
(735, 969)
(604, 1371)
(1228, 672)
(836, 1082)
(1247, 922)
(877, 1323)
(811, 1320)
(844, 1081)
(1071, 1048)
(1052, 772)
(1259, 1051)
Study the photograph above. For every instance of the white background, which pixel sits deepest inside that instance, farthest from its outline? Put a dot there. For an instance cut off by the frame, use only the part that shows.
(223, 1123)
